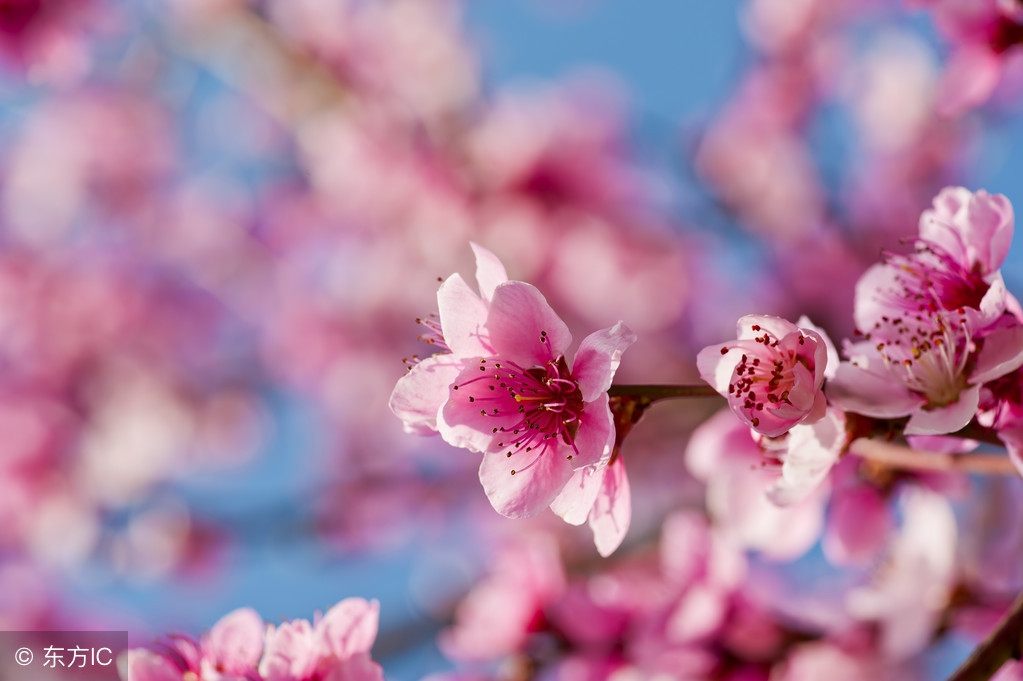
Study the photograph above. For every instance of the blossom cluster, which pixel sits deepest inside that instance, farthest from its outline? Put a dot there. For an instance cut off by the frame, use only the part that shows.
(335, 647)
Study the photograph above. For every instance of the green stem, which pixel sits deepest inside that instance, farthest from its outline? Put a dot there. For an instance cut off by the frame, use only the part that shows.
(660, 392)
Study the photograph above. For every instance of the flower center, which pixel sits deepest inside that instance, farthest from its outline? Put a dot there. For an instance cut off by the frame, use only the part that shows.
(765, 379)
(928, 352)
(534, 409)
(931, 279)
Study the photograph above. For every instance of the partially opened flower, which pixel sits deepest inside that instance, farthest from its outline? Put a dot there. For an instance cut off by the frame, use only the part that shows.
(535, 417)
(772, 375)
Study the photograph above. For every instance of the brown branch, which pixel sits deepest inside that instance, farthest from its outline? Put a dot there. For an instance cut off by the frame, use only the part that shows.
(660, 392)
(1002, 645)
(898, 456)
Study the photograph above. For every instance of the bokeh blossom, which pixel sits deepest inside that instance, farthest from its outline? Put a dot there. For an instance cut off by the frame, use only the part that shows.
(335, 647)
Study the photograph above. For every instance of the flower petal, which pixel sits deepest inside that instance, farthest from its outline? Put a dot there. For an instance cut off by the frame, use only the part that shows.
(575, 501)
(776, 326)
(812, 451)
(871, 394)
(419, 395)
(947, 419)
(349, 627)
(519, 318)
(489, 271)
(531, 488)
(717, 367)
(463, 316)
(612, 510)
(859, 525)
(598, 357)
(1002, 352)
(235, 642)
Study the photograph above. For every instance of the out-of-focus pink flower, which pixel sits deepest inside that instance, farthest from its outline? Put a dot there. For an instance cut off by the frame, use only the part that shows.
(502, 610)
(908, 598)
(807, 454)
(457, 332)
(859, 522)
(335, 647)
(738, 470)
(772, 375)
(535, 418)
(985, 36)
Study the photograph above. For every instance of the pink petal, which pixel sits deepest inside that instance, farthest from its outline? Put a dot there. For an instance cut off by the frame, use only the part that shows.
(534, 486)
(349, 628)
(520, 319)
(463, 316)
(574, 502)
(139, 664)
(1013, 439)
(871, 394)
(612, 510)
(419, 395)
(971, 75)
(825, 354)
(859, 525)
(716, 368)
(812, 451)
(774, 325)
(991, 221)
(598, 357)
(947, 419)
(461, 423)
(1002, 352)
(235, 643)
(359, 667)
(489, 271)
(870, 305)
(290, 652)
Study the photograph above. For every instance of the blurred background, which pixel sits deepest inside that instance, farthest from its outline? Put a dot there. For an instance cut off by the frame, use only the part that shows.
(219, 220)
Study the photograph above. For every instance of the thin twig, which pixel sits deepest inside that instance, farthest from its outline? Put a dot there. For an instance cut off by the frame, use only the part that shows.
(898, 456)
(1002, 645)
(660, 392)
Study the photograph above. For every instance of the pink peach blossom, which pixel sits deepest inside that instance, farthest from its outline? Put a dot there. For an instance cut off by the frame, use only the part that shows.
(772, 375)
(535, 418)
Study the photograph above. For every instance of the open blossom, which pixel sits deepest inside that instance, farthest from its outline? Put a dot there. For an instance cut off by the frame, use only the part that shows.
(936, 323)
(772, 375)
(535, 417)
(501, 385)
(333, 648)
